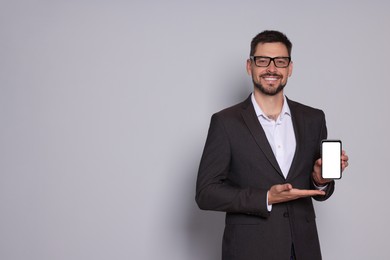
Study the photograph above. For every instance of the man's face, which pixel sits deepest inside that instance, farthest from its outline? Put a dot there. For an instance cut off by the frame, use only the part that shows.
(269, 80)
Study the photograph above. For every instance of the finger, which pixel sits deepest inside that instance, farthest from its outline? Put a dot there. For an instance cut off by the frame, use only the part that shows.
(318, 162)
(288, 186)
(344, 165)
(285, 187)
(318, 193)
(308, 193)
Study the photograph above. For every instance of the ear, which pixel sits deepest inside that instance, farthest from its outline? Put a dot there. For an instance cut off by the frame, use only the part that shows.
(290, 69)
(249, 67)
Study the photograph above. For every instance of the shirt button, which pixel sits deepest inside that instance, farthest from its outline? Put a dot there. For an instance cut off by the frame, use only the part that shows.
(286, 215)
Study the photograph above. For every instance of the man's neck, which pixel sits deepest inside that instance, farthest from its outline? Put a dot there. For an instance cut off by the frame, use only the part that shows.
(270, 105)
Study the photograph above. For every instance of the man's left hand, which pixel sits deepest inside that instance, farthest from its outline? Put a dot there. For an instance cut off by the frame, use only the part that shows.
(317, 172)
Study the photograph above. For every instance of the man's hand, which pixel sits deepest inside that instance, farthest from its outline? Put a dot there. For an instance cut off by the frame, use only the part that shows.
(285, 192)
(317, 172)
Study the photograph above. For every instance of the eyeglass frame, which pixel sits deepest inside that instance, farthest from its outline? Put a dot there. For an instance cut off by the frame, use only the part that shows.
(253, 58)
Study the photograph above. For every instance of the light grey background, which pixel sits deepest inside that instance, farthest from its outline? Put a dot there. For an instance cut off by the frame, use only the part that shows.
(105, 107)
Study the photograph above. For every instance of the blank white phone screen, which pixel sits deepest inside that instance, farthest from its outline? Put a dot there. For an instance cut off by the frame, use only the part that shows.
(331, 160)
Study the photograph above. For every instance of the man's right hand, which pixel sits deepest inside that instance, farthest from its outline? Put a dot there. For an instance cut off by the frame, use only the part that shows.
(285, 192)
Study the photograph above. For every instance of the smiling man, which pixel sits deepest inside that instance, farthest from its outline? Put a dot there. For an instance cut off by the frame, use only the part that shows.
(261, 164)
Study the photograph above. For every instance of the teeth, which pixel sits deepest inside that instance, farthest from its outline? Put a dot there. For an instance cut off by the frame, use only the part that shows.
(271, 78)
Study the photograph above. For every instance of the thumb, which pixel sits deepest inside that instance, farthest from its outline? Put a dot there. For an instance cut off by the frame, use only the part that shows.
(285, 187)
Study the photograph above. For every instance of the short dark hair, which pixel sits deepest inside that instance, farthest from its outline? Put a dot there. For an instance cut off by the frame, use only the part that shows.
(270, 36)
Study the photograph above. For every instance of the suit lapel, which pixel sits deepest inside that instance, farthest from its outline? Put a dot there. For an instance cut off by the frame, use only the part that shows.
(252, 122)
(298, 123)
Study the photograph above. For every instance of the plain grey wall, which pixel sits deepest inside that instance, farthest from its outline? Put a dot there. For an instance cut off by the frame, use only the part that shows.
(105, 106)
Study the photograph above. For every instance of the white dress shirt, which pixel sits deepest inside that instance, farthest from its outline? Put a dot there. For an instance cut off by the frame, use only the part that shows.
(280, 134)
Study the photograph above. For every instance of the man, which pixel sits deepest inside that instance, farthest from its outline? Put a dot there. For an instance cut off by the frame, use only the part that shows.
(261, 164)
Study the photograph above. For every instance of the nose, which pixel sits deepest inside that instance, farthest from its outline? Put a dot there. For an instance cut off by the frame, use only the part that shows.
(271, 67)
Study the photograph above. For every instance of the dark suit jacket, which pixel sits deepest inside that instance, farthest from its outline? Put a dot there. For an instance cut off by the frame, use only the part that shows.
(237, 169)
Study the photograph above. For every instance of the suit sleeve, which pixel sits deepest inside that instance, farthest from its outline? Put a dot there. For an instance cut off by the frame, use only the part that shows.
(214, 189)
(330, 187)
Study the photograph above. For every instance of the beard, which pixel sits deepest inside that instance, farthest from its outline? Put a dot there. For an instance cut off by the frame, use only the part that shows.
(268, 91)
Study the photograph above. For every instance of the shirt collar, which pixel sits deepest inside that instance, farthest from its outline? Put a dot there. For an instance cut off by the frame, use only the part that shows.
(259, 112)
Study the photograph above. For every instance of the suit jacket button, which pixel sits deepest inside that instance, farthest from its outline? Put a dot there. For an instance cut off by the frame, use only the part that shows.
(285, 214)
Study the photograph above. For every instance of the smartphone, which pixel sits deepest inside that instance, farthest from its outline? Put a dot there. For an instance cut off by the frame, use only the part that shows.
(331, 159)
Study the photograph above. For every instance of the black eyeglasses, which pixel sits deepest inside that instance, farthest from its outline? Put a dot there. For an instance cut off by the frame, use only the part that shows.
(262, 61)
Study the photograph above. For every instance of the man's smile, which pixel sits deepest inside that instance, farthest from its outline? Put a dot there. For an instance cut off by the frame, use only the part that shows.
(270, 78)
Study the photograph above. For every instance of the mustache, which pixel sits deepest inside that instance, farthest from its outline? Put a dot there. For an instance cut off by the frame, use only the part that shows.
(267, 74)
